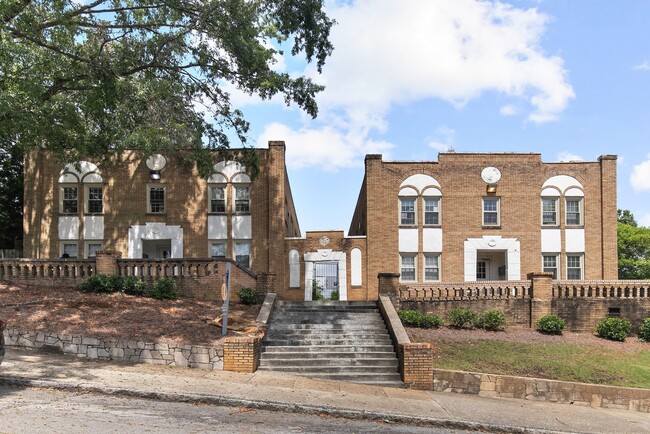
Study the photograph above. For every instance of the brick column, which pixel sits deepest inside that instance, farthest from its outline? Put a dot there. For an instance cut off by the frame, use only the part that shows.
(389, 285)
(541, 295)
(241, 354)
(265, 284)
(106, 262)
(416, 363)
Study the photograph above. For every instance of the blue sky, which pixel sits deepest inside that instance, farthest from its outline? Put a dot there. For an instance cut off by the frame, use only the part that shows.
(408, 79)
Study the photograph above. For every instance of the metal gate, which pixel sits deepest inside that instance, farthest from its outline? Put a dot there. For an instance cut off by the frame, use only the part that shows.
(326, 280)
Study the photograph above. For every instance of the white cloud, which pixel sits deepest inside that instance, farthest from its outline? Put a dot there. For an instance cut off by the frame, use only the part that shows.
(645, 66)
(508, 110)
(443, 139)
(327, 147)
(640, 177)
(390, 53)
(568, 156)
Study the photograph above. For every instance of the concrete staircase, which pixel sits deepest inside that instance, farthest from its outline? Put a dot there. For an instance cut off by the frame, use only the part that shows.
(334, 340)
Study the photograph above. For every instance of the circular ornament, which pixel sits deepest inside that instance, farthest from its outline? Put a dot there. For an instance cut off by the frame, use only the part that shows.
(492, 242)
(491, 175)
(324, 240)
(156, 162)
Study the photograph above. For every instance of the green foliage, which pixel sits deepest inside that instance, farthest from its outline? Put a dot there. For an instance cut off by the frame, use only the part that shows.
(551, 325)
(316, 291)
(164, 289)
(633, 248)
(614, 329)
(248, 296)
(492, 320)
(334, 295)
(626, 217)
(11, 195)
(414, 318)
(644, 330)
(94, 78)
(461, 318)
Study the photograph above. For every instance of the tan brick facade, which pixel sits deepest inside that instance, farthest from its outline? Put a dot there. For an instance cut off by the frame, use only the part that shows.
(462, 191)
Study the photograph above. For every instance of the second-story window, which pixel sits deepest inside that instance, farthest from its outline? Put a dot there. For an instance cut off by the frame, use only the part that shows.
(491, 211)
(431, 211)
(69, 203)
(242, 200)
(95, 200)
(218, 199)
(549, 212)
(156, 199)
(573, 211)
(407, 211)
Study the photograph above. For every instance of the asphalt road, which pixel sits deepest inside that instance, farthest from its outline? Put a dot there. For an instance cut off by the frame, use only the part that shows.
(50, 411)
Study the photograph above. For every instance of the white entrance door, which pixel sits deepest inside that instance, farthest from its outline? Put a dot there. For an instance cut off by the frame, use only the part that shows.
(482, 269)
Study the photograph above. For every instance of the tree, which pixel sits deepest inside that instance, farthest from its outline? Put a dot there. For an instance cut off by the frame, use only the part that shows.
(90, 79)
(11, 196)
(633, 249)
(626, 217)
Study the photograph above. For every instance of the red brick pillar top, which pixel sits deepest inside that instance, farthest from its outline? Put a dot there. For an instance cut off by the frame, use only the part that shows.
(388, 284)
(106, 262)
(541, 287)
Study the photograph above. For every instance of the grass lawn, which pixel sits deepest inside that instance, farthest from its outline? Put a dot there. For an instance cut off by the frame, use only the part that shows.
(557, 361)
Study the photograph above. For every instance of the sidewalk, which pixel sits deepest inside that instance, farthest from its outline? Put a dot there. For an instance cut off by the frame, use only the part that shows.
(274, 392)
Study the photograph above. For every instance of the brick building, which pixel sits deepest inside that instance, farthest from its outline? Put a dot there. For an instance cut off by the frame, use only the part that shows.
(158, 208)
(465, 217)
(494, 216)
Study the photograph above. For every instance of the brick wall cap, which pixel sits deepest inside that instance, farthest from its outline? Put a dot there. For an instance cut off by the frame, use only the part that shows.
(539, 274)
(241, 339)
(392, 275)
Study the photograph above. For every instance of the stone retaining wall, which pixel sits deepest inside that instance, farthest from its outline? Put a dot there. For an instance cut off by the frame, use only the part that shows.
(192, 356)
(537, 389)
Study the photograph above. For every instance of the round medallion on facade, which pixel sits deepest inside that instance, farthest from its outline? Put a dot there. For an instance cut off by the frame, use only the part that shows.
(492, 242)
(491, 175)
(156, 162)
(325, 240)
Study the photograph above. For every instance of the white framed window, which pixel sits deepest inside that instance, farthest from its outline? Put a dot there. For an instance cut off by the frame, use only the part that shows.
(549, 264)
(574, 265)
(69, 249)
(407, 211)
(92, 247)
(94, 199)
(431, 211)
(69, 199)
(431, 266)
(491, 208)
(218, 249)
(408, 268)
(242, 199)
(574, 211)
(218, 199)
(156, 199)
(243, 253)
(549, 212)
(481, 269)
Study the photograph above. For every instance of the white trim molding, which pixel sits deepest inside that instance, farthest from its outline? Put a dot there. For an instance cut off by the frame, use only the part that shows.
(511, 246)
(326, 255)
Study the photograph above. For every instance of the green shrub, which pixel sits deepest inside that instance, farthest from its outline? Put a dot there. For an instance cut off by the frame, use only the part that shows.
(644, 331)
(614, 329)
(461, 318)
(316, 291)
(492, 320)
(414, 318)
(133, 286)
(164, 289)
(551, 325)
(100, 283)
(334, 295)
(248, 296)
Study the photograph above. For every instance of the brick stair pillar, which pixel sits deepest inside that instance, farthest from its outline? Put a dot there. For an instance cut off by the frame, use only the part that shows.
(541, 295)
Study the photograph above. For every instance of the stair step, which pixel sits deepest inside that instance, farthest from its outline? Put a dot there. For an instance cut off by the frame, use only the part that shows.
(358, 377)
(332, 362)
(348, 370)
(327, 348)
(332, 331)
(287, 355)
(324, 341)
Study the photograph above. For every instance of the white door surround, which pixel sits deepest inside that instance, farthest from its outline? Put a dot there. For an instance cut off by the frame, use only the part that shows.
(155, 231)
(326, 255)
(493, 242)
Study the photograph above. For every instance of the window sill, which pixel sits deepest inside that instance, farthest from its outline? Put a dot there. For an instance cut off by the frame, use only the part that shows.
(156, 213)
(575, 226)
(407, 226)
(491, 226)
(241, 213)
(550, 226)
(217, 213)
(432, 226)
(69, 214)
(93, 213)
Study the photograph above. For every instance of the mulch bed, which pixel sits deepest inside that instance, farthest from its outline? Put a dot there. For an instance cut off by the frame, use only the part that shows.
(116, 316)
(524, 336)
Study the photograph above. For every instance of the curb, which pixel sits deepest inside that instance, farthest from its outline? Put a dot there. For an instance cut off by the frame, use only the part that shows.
(274, 406)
